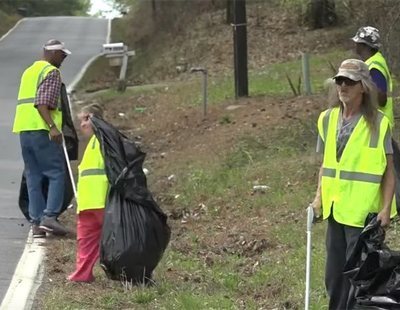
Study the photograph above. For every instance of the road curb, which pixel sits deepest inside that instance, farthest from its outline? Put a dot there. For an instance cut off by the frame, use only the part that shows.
(12, 29)
(27, 276)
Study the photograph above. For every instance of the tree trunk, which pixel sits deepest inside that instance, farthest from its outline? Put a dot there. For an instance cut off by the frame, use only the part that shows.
(229, 12)
(154, 9)
(322, 13)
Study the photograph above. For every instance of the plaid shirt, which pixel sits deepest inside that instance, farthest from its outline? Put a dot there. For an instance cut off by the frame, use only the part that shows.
(49, 90)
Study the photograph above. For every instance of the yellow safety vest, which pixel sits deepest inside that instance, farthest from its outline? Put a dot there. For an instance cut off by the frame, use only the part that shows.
(352, 185)
(378, 62)
(27, 117)
(93, 182)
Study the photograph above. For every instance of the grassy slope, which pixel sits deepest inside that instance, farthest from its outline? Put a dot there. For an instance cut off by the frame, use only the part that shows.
(241, 248)
(231, 248)
(7, 22)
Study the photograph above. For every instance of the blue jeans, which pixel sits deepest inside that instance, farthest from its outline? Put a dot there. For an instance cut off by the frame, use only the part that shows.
(43, 159)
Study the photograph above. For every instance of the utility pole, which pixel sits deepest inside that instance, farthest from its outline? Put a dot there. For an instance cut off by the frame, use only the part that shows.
(240, 48)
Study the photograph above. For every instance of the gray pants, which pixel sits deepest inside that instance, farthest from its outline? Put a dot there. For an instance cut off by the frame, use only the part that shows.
(340, 241)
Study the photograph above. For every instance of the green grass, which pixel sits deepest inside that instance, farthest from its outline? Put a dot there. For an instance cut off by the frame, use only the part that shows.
(272, 81)
(232, 179)
(273, 278)
(7, 22)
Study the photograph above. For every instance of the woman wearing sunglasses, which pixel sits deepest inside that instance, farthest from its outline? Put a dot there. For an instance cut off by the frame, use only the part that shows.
(356, 176)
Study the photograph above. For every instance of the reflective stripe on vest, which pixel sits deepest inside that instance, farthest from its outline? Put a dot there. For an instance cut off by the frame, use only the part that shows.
(92, 172)
(352, 176)
(352, 185)
(93, 182)
(27, 117)
(378, 62)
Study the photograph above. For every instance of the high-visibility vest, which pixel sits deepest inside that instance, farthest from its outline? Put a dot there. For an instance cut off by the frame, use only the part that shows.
(27, 117)
(352, 185)
(378, 62)
(93, 182)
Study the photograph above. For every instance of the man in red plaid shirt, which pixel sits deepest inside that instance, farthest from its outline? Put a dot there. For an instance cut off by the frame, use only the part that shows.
(38, 121)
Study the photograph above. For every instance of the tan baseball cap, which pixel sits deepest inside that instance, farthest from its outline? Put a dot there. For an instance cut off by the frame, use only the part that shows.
(354, 69)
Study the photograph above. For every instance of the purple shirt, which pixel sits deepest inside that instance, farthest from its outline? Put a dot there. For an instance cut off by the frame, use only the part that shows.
(379, 80)
(49, 90)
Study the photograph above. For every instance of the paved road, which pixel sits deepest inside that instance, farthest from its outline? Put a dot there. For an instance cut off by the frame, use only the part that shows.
(84, 37)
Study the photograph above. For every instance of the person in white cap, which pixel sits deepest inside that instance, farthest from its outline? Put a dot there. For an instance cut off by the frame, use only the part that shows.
(356, 176)
(367, 45)
(38, 121)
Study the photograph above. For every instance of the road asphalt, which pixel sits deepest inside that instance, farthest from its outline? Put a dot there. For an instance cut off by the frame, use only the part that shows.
(84, 36)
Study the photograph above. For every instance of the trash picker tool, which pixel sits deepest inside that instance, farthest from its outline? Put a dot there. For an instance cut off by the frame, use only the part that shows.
(310, 217)
(69, 169)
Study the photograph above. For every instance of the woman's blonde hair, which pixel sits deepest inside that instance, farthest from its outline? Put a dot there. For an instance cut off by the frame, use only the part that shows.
(94, 109)
(369, 105)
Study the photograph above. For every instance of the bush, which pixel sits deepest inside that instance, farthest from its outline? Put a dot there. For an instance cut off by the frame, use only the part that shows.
(384, 15)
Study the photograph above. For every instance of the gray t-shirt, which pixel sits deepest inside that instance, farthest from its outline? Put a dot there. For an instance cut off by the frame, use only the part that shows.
(344, 130)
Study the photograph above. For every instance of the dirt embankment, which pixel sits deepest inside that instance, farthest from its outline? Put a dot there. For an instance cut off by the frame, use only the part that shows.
(204, 38)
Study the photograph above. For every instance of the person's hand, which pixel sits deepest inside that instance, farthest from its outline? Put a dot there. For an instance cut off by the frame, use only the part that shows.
(384, 217)
(55, 135)
(316, 205)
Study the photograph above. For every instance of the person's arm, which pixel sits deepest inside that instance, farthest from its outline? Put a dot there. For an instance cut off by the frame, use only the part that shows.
(387, 187)
(46, 100)
(316, 204)
(382, 98)
(380, 82)
(54, 132)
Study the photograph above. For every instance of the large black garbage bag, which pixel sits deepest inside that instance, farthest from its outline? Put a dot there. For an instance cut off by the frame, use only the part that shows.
(23, 200)
(374, 269)
(72, 143)
(135, 231)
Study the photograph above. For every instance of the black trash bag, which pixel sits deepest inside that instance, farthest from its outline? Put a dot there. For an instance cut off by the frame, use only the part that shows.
(135, 232)
(68, 128)
(23, 200)
(72, 145)
(374, 269)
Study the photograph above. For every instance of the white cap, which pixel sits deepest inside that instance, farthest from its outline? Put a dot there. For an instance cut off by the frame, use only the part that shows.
(55, 45)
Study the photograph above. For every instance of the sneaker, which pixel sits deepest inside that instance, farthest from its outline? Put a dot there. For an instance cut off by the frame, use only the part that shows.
(51, 225)
(37, 232)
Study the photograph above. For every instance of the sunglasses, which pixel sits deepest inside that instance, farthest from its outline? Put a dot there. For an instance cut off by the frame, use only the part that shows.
(348, 82)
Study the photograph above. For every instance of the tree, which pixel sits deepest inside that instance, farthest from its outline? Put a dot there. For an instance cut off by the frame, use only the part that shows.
(125, 5)
(321, 13)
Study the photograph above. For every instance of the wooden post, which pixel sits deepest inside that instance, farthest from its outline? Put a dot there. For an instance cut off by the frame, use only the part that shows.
(229, 12)
(306, 73)
(240, 48)
(205, 74)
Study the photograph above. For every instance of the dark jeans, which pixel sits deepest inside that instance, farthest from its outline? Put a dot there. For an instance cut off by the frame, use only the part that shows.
(340, 241)
(396, 161)
(43, 159)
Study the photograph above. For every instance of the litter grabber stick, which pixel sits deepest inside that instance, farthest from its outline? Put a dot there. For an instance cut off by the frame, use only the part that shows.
(69, 169)
(310, 217)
